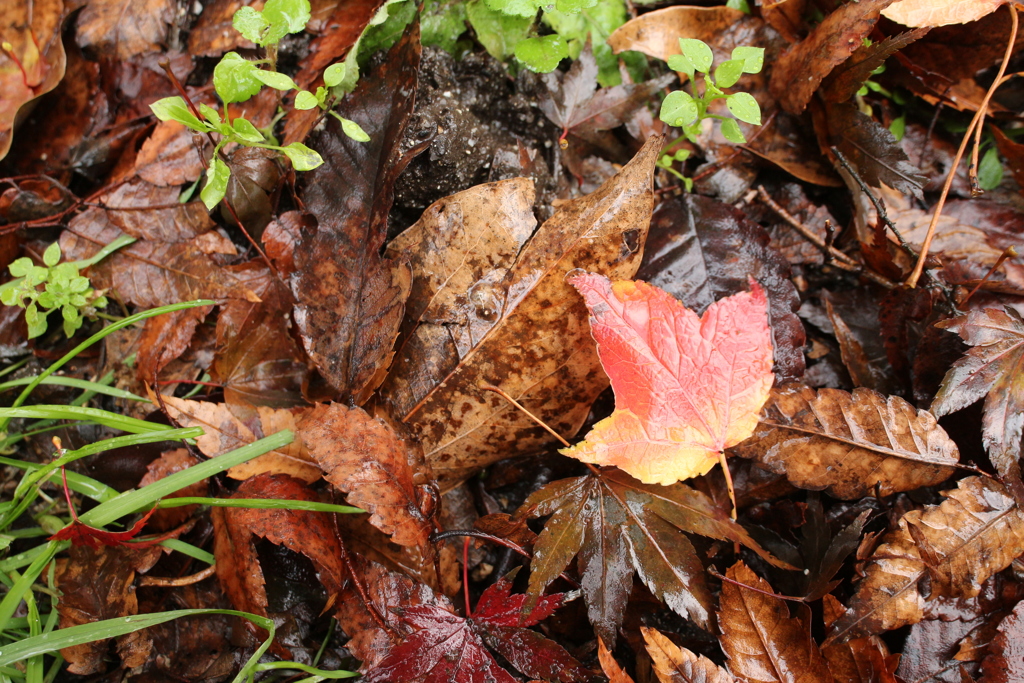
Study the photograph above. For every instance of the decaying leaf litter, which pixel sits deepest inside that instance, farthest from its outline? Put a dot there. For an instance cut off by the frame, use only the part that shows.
(497, 325)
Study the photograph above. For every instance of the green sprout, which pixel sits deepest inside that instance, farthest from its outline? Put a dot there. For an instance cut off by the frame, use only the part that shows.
(62, 288)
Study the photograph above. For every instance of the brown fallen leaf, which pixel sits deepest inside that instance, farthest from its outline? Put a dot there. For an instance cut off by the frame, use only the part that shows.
(539, 352)
(35, 61)
(225, 431)
(674, 664)
(460, 251)
(940, 12)
(169, 156)
(1004, 663)
(313, 534)
(609, 666)
(849, 444)
(167, 464)
(165, 338)
(977, 531)
(125, 28)
(861, 660)
(350, 300)
(860, 348)
(366, 459)
(846, 79)
(797, 74)
(762, 641)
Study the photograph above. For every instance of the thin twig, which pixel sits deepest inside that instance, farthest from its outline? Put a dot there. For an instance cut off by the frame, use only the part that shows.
(791, 598)
(504, 542)
(179, 581)
(1009, 252)
(915, 275)
(499, 392)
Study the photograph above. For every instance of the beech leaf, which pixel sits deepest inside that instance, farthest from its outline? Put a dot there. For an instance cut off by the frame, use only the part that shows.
(686, 387)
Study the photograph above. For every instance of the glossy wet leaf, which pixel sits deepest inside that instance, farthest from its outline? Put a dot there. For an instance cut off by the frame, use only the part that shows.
(686, 387)
(851, 445)
(1003, 663)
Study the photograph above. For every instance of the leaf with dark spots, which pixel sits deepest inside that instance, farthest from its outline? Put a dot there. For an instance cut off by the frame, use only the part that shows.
(993, 368)
(701, 250)
(619, 525)
(313, 534)
(975, 533)
(799, 71)
(366, 459)
(870, 148)
(440, 646)
(763, 643)
(461, 250)
(350, 300)
(539, 351)
(850, 445)
(847, 78)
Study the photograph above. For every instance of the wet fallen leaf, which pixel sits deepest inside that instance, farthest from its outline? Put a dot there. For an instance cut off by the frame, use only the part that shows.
(860, 345)
(125, 28)
(350, 300)
(609, 666)
(940, 12)
(846, 79)
(686, 388)
(861, 660)
(165, 338)
(761, 640)
(439, 645)
(700, 250)
(169, 156)
(850, 445)
(366, 459)
(674, 664)
(538, 352)
(460, 250)
(619, 525)
(976, 532)
(992, 368)
(313, 534)
(1003, 663)
(167, 464)
(33, 64)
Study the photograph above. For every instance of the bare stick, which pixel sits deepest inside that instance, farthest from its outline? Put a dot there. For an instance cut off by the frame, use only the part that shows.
(1009, 252)
(919, 266)
(499, 392)
(179, 581)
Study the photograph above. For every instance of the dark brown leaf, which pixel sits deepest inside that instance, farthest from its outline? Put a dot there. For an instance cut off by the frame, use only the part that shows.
(125, 28)
(1005, 662)
(847, 78)
(701, 250)
(539, 351)
(169, 156)
(164, 338)
(350, 300)
(762, 641)
(799, 71)
(862, 358)
(861, 660)
(366, 459)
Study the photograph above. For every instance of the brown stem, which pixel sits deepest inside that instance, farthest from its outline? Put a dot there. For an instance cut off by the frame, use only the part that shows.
(790, 598)
(167, 582)
(911, 281)
(1009, 252)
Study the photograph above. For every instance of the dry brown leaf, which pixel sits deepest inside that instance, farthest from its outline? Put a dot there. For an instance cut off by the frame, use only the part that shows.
(657, 33)
(762, 641)
(674, 664)
(609, 666)
(460, 250)
(976, 532)
(849, 444)
(366, 459)
(224, 432)
(939, 12)
(540, 351)
(125, 28)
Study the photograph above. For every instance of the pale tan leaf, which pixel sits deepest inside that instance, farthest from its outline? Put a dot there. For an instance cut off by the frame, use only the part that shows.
(609, 666)
(916, 13)
(849, 444)
(674, 664)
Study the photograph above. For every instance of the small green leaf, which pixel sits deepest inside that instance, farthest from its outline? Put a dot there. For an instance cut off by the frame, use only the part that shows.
(334, 74)
(245, 131)
(250, 23)
(36, 275)
(727, 73)
(51, 256)
(276, 80)
(744, 107)
(234, 78)
(352, 129)
(731, 131)
(35, 320)
(542, 54)
(9, 296)
(20, 267)
(898, 127)
(216, 183)
(753, 58)
(682, 64)
(574, 6)
(175, 109)
(210, 114)
(990, 170)
(302, 157)
(305, 100)
(517, 8)
(499, 33)
(678, 109)
(284, 17)
(698, 52)
(741, 5)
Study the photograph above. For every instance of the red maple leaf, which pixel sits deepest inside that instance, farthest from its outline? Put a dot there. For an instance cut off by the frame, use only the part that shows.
(442, 647)
(686, 387)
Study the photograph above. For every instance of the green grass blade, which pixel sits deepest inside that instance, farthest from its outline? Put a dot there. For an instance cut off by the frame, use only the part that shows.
(76, 383)
(62, 412)
(189, 549)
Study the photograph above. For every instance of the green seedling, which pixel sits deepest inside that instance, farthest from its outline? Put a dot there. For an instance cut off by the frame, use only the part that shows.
(237, 79)
(686, 111)
(44, 289)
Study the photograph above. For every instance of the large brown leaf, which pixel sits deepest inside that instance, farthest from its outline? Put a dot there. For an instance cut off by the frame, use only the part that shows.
(674, 664)
(366, 459)
(762, 641)
(350, 300)
(849, 444)
(125, 27)
(959, 544)
(540, 351)
(460, 250)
